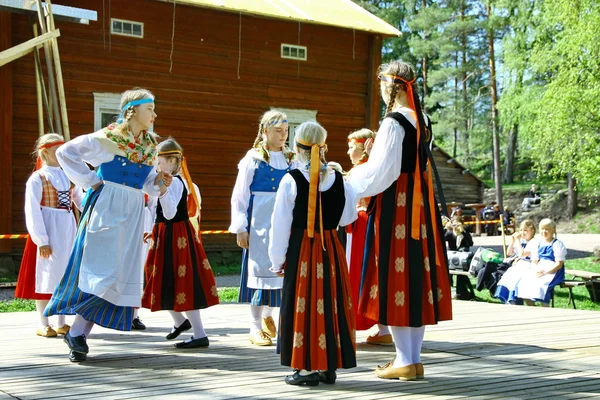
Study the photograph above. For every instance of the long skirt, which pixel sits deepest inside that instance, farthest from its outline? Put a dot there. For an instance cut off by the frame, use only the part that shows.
(178, 273)
(506, 290)
(406, 280)
(539, 288)
(317, 328)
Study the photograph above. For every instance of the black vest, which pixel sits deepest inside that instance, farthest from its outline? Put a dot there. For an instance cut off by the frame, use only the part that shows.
(409, 145)
(182, 212)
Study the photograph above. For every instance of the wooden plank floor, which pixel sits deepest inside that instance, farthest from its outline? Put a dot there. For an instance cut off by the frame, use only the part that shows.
(488, 351)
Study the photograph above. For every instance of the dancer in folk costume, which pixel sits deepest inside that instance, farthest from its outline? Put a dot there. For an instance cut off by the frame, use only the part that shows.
(355, 239)
(102, 282)
(406, 284)
(51, 225)
(548, 270)
(317, 325)
(178, 274)
(252, 202)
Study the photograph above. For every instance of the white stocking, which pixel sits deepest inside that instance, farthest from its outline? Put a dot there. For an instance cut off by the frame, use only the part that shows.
(383, 330)
(196, 321)
(256, 313)
(81, 326)
(61, 320)
(178, 319)
(417, 335)
(40, 306)
(267, 311)
(402, 341)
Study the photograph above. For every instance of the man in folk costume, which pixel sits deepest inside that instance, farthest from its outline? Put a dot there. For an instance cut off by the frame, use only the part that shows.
(406, 284)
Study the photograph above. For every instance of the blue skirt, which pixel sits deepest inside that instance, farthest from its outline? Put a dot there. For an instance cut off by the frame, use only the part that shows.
(256, 297)
(69, 299)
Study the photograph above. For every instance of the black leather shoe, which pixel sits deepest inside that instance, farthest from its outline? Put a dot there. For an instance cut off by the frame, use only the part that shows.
(178, 329)
(303, 380)
(328, 377)
(75, 356)
(202, 342)
(77, 343)
(137, 324)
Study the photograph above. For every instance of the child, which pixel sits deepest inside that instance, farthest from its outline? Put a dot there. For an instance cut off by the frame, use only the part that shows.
(178, 273)
(102, 282)
(406, 284)
(548, 269)
(51, 226)
(457, 238)
(355, 241)
(522, 246)
(252, 201)
(317, 329)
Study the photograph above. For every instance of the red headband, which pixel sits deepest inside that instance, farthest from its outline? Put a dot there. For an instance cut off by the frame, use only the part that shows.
(357, 140)
(49, 145)
(395, 79)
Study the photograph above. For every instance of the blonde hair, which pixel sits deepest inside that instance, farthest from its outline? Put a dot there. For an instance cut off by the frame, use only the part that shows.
(169, 145)
(127, 97)
(548, 223)
(271, 118)
(311, 133)
(400, 69)
(45, 140)
(362, 134)
(527, 224)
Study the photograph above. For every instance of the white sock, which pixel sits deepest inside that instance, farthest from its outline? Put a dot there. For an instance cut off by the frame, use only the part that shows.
(196, 321)
(383, 330)
(40, 306)
(136, 313)
(304, 372)
(61, 320)
(256, 313)
(403, 344)
(178, 319)
(416, 335)
(267, 311)
(81, 326)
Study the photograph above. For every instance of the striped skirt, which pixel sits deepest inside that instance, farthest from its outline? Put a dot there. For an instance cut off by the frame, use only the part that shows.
(256, 297)
(69, 299)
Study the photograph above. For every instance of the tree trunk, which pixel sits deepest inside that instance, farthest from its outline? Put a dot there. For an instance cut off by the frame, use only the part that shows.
(425, 67)
(497, 175)
(465, 113)
(455, 109)
(511, 153)
(572, 196)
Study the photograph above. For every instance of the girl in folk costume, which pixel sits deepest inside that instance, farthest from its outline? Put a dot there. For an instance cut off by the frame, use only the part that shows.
(548, 269)
(102, 282)
(178, 274)
(406, 284)
(51, 226)
(355, 240)
(317, 325)
(252, 202)
(523, 247)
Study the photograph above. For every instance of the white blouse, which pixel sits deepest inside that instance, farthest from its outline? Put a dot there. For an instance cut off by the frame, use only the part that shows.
(170, 200)
(240, 199)
(283, 213)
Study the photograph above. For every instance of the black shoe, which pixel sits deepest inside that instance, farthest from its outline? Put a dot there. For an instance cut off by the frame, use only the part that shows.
(328, 377)
(178, 329)
(137, 324)
(77, 344)
(75, 356)
(189, 344)
(303, 380)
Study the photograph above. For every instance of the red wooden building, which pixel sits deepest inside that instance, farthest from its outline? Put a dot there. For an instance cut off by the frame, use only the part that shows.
(214, 66)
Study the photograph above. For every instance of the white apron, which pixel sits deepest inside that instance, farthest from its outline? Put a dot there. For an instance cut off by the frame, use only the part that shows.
(514, 274)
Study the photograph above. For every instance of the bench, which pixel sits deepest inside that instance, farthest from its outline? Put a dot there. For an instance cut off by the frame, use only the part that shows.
(589, 278)
(468, 275)
(569, 284)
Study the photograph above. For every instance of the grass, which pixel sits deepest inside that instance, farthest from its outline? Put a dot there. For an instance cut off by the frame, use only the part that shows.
(561, 296)
(17, 305)
(228, 294)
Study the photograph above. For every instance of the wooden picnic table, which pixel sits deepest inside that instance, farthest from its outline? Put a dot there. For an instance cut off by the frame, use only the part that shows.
(586, 276)
(477, 207)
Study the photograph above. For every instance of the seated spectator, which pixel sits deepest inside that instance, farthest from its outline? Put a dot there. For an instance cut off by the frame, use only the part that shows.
(458, 239)
(548, 271)
(491, 213)
(532, 197)
(521, 248)
(507, 216)
(457, 214)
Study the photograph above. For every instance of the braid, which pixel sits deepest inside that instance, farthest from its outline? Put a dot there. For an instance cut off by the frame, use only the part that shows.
(392, 102)
(259, 137)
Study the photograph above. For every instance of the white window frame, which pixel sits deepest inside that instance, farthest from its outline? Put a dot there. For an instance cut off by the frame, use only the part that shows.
(295, 117)
(125, 21)
(105, 103)
(298, 48)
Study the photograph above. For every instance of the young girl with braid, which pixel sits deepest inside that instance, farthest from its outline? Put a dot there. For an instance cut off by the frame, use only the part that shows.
(252, 202)
(406, 284)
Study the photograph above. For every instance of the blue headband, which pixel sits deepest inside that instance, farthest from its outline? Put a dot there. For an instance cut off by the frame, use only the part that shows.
(133, 104)
(279, 121)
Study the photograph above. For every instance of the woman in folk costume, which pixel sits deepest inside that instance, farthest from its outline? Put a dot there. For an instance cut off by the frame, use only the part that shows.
(51, 226)
(355, 239)
(406, 284)
(178, 274)
(317, 329)
(102, 282)
(252, 202)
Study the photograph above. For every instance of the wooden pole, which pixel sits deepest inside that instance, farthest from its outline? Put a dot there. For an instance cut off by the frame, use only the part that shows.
(59, 77)
(6, 134)
(38, 88)
(20, 50)
(50, 66)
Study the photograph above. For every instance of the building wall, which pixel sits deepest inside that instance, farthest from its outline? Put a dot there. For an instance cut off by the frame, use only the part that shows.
(201, 102)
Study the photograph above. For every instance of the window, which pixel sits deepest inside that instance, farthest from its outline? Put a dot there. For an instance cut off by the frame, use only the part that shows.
(126, 28)
(296, 117)
(293, 52)
(106, 109)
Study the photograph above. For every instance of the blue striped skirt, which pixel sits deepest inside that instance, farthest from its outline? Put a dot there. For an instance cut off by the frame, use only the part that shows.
(256, 297)
(69, 299)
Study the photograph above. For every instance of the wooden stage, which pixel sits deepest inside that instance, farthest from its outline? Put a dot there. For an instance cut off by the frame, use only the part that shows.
(489, 351)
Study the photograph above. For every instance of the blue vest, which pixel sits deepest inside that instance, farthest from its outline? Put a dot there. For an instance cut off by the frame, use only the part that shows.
(122, 171)
(546, 252)
(267, 178)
